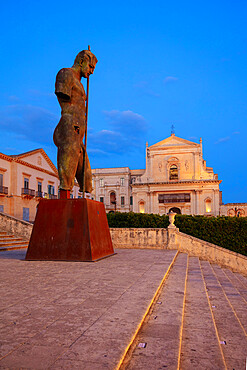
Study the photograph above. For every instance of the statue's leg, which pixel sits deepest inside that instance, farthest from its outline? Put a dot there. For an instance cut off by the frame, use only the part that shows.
(67, 140)
(67, 164)
(88, 173)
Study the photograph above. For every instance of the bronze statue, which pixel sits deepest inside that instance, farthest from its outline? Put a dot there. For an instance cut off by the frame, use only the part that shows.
(69, 133)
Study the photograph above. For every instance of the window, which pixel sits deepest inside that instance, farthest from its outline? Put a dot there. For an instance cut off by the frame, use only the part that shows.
(208, 205)
(39, 186)
(122, 201)
(1, 179)
(142, 207)
(131, 200)
(51, 189)
(122, 181)
(113, 197)
(101, 182)
(173, 172)
(1, 208)
(26, 183)
(25, 214)
(101, 199)
(92, 183)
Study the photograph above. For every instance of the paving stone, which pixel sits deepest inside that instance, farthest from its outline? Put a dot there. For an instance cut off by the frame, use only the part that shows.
(161, 331)
(200, 347)
(228, 326)
(50, 307)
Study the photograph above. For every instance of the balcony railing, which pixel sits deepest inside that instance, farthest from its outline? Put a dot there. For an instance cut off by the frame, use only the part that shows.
(174, 198)
(3, 190)
(39, 194)
(29, 192)
(49, 196)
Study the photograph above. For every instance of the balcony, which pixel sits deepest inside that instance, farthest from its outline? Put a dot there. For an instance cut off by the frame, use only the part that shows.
(27, 193)
(3, 190)
(174, 198)
(39, 194)
(49, 196)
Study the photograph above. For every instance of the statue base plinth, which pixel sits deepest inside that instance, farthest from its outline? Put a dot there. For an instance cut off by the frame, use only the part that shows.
(70, 230)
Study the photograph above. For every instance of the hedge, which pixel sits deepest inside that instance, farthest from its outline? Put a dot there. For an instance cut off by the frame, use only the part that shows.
(227, 232)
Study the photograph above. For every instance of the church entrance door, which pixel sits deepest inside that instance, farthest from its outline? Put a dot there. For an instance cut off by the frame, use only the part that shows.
(175, 210)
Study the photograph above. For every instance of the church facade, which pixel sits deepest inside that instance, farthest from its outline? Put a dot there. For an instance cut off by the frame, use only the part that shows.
(176, 178)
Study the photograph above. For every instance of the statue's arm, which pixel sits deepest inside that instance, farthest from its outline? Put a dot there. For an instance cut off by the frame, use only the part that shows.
(63, 85)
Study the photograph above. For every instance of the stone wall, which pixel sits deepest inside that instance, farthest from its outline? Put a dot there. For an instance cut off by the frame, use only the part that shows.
(15, 226)
(139, 238)
(206, 251)
(170, 238)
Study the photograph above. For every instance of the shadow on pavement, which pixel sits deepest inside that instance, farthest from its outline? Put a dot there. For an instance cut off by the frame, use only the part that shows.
(14, 255)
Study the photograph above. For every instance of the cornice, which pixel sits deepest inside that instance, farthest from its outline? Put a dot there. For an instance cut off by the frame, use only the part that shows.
(36, 167)
(178, 182)
(6, 157)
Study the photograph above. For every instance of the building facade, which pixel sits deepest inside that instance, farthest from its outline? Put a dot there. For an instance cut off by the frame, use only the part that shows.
(24, 180)
(176, 178)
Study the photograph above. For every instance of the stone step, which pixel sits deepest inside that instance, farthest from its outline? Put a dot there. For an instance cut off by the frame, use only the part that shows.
(230, 331)
(10, 242)
(161, 330)
(234, 298)
(237, 283)
(200, 347)
(14, 247)
(9, 238)
(242, 278)
(15, 242)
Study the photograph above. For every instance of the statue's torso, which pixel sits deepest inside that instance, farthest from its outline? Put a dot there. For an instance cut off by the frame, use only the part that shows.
(67, 83)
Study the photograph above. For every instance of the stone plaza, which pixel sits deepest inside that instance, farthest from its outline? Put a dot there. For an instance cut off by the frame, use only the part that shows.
(139, 309)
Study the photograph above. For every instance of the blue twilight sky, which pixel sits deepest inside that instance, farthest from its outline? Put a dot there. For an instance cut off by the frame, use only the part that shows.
(160, 63)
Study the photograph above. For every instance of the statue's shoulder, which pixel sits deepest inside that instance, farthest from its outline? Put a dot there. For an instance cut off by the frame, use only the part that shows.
(65, 73)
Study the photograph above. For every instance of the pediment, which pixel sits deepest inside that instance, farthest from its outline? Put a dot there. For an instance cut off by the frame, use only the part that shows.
(173, 141)
(37, 158)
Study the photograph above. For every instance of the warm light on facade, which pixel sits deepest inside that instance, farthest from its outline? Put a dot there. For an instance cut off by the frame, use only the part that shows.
(208, 206)
(141, 207)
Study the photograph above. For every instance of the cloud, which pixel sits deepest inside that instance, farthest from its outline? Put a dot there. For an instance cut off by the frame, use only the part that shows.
(194, 138)
(124, 133)
(144, 88)
(222, 140)
(126, 121)
(170, 79)
(14, 98)
(28, 122)
(236, 133)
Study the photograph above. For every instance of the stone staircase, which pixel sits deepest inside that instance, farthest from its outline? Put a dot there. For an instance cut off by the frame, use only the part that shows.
(11, 242)
(198, 321)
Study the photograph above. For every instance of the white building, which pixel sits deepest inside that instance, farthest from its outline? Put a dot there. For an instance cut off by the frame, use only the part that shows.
(176, 177)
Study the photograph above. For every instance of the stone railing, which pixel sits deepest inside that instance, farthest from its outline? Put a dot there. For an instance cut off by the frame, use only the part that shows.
(170, 238)
(15, 226)
(139, 238)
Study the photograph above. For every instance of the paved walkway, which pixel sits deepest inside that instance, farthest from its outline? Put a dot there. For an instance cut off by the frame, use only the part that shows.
(75, 315)
(72, 314)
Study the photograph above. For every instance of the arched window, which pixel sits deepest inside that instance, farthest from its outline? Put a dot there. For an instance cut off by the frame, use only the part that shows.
(173, 172)
(112, 197)
(208, 205)
(142, 207)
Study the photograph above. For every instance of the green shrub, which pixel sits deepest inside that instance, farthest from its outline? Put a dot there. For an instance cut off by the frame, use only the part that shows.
(141, 220)
(227, 232)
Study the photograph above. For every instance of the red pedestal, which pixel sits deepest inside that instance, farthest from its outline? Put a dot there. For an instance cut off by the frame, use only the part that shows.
(70, 230)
